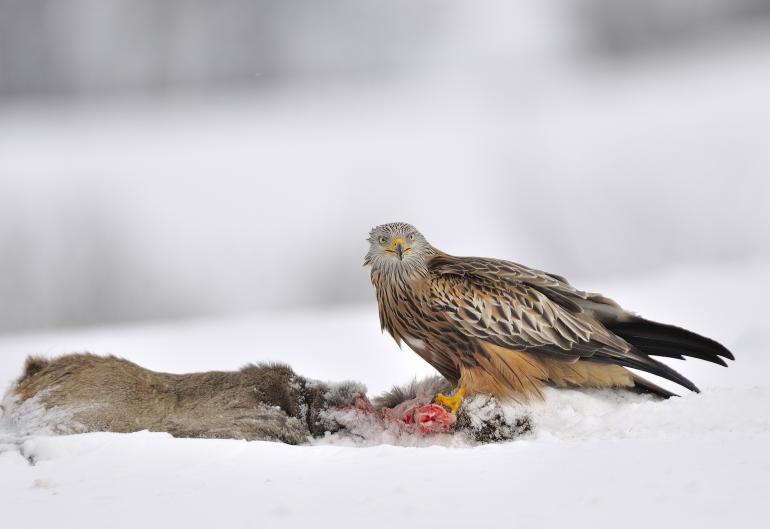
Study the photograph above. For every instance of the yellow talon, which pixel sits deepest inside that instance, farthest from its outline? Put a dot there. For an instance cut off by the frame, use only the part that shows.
(454, 402)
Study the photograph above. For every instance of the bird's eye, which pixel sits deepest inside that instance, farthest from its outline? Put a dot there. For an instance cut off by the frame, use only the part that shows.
(382, 240)
(411, 236)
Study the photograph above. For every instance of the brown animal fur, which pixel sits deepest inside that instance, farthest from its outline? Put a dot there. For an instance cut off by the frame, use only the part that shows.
(85, 393)
(259, 402)
(32, 365)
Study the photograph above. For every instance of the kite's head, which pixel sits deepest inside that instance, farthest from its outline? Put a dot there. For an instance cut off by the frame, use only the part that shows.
(397, 246)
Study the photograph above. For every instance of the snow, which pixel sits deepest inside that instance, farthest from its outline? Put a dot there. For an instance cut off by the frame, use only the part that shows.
(152, 480)
(594, 459)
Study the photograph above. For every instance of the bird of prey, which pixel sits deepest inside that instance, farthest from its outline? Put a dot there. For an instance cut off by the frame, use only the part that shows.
(497, 327)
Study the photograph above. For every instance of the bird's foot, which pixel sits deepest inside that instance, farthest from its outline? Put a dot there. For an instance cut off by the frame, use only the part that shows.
(454, 402)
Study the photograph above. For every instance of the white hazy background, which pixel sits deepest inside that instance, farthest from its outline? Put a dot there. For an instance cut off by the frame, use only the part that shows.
(166, 159)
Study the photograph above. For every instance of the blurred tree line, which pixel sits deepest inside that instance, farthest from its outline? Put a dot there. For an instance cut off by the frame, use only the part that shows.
(83, 47)
(90, 46)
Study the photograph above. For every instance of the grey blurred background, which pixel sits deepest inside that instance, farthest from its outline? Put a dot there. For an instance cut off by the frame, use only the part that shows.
(183, 158)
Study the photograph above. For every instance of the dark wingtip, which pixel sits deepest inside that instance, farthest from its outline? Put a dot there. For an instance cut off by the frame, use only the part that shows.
(720, 349)
(692, 387)
(663, 370)
(718, 360)
(660, 339)
(642, 385)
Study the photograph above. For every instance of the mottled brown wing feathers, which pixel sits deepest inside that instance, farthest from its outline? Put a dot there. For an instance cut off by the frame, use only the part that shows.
(522, 309)
(491, 305)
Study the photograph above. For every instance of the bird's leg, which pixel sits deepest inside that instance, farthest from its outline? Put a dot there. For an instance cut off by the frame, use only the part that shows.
(454, 402)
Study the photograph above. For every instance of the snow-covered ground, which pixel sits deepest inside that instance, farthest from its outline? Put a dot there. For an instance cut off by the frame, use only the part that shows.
(596, 459)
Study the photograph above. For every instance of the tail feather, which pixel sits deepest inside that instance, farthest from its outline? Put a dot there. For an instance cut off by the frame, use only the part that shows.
(659, 339)
(651, 338)
(661, 348)
(650, 365)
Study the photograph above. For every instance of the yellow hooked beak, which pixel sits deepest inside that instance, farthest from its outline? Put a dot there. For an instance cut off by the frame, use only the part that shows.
(399, 248)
